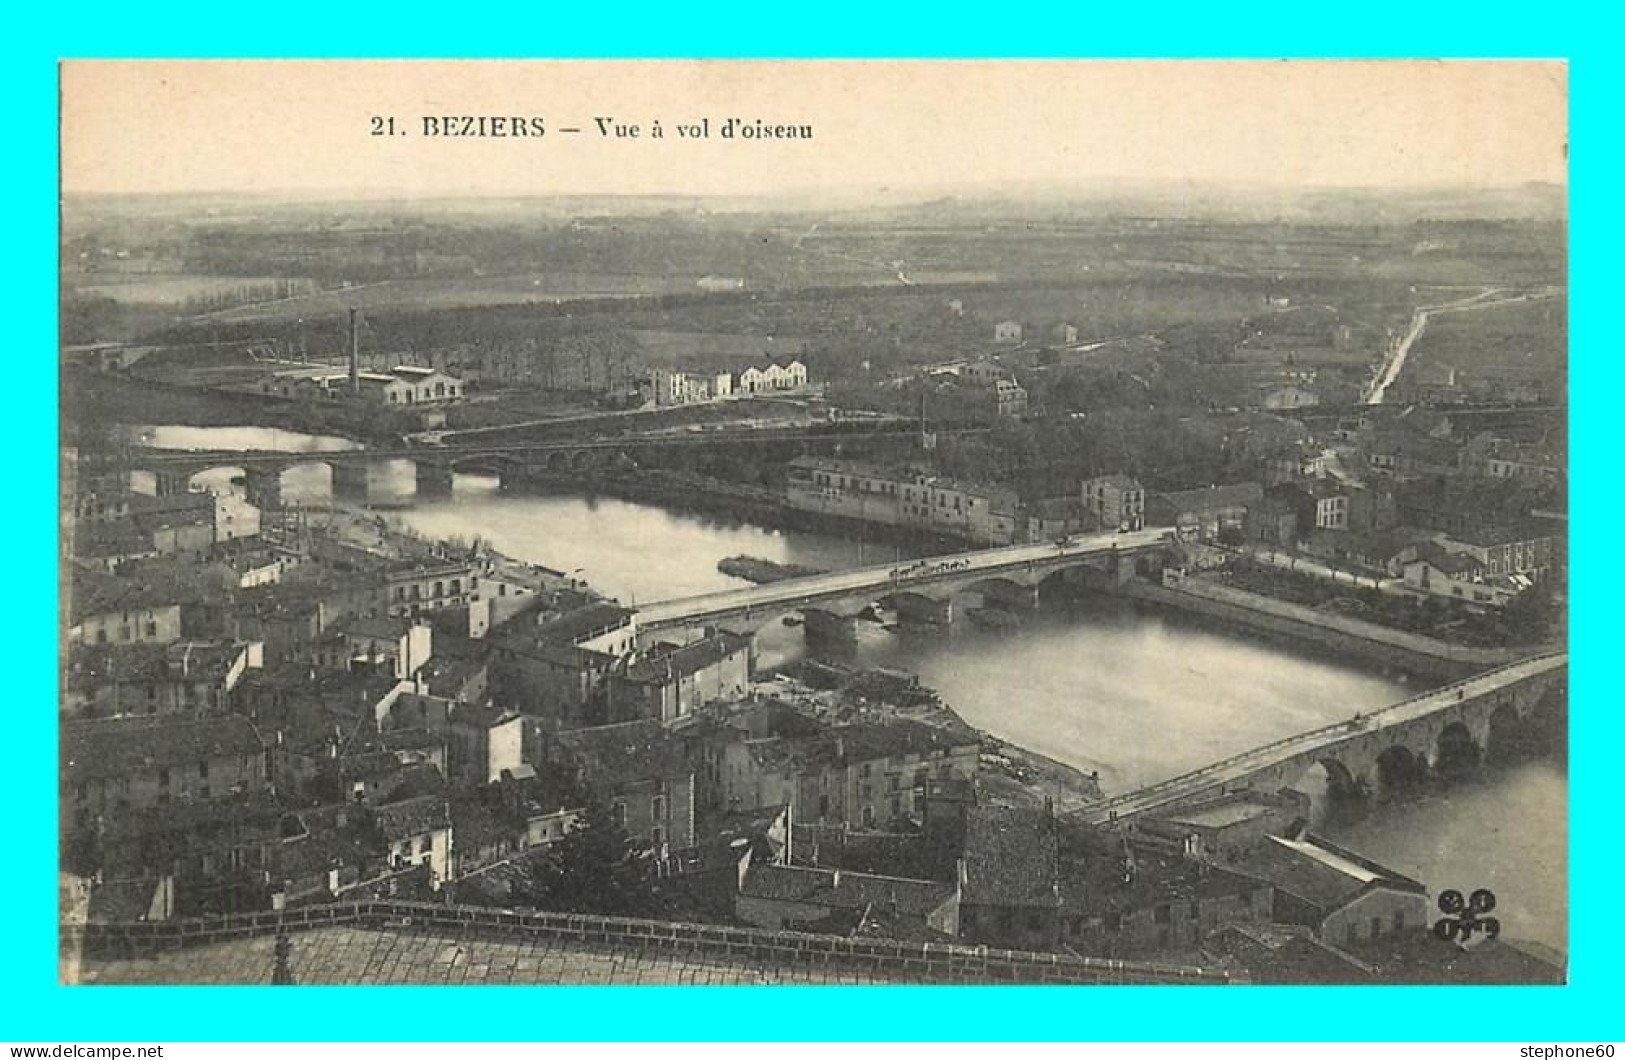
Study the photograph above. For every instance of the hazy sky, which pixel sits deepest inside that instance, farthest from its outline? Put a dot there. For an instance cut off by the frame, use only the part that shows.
(174, 126)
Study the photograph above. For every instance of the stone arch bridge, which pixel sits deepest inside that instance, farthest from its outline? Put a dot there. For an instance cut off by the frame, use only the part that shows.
(356, 473)
(1367, 752)
(920, 589)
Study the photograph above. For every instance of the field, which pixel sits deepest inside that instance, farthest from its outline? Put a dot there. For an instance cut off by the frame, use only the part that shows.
(589, 296)
(1529, 337)
(171, 289)
(455, 293)
(715, 350)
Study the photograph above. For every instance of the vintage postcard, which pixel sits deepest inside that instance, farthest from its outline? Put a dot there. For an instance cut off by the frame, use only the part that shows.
(814, 522)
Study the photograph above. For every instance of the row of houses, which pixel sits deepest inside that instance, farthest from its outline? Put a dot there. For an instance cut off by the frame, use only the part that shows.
(212, 812)
(1012, 332)
(668, 386)
(434, 770)
(1235, 881)
(198, 814)
(905, 497)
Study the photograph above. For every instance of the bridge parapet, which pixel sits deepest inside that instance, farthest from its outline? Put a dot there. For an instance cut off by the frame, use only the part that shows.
(1470, 702)
(1014, 571)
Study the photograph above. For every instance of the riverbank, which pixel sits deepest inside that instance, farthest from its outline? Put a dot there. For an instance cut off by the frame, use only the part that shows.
(1410, 652)
(1009, 775)
(100, 400)
(761, 571)
(682, 491)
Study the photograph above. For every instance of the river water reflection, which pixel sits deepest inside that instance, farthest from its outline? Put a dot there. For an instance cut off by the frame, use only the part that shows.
(268, 439)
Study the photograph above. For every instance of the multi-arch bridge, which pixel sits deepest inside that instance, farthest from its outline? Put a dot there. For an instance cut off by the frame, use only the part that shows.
(922, 589)
(1389, 746)
(355, 470)
(1386, 748)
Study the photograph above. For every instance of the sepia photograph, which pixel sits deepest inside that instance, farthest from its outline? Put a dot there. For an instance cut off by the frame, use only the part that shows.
(813, 522)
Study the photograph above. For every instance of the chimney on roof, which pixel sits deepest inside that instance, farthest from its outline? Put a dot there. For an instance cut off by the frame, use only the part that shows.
(355, 354)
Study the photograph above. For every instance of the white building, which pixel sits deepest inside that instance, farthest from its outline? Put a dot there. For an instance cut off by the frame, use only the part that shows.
(671, 387)
(401, 385)
(408, 385)
(773, 377)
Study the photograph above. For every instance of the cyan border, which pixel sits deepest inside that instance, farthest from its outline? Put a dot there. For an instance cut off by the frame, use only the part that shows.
(35, 1008)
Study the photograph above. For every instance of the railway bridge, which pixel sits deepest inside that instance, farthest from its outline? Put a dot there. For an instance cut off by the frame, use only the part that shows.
(359, 473)
(1366, 753)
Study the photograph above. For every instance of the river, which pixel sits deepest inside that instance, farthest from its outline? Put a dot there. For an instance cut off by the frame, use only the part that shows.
(1098, 684)
(243, 438)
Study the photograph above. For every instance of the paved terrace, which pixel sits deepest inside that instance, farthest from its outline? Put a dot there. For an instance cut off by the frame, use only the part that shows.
(403, 942)
(1321, 741)
(880, 581)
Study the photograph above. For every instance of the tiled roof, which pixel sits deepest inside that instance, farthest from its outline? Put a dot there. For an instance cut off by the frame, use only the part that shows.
(195, 659)
(482, 715)
(1504, 533)
(1452, 563)
(93, 592)
(583, 622)
(119, 746)
(688, 659)
(1101, 884)
(425, 813)
(1317, 872)
(382, 627)
(116, 537)
(567, 655)
(898, 738)
(1010, 857)
(475, 824)
(91, 666)
(614, 755)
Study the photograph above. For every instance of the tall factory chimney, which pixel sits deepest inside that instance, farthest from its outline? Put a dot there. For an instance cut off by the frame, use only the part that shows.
(355, 354)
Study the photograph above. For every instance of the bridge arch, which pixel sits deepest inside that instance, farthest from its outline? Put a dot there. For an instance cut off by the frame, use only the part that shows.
(487, 464)
(1507, 734)
(1399, 769)
(917, 607)
(210, 479)
(1455, 751)
(1013, 591)
(1327, 775)
(995, 583)
(310, 474)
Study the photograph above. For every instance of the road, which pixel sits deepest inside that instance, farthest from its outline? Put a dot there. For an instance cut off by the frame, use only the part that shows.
(1394, 363)
(839, 583)
(1244, 765)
